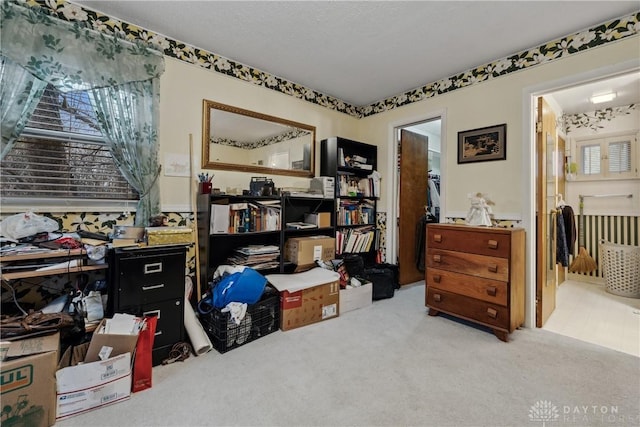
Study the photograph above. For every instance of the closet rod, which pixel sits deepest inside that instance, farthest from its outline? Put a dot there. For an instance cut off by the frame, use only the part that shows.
(628, 196)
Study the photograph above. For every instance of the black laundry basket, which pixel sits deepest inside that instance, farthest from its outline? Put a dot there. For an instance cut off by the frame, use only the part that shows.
(262, 318)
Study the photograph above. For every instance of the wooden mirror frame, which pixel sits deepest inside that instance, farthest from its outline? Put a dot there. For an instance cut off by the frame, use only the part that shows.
(208, 106)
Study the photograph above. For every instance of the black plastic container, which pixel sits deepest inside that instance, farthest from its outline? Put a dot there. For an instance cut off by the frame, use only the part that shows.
(262, 318)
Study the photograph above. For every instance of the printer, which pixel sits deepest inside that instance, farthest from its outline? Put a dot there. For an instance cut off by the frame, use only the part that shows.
(326, 185)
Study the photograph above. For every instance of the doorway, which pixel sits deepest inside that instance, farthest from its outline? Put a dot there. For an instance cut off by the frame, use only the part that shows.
(579, 299)
(418, 192)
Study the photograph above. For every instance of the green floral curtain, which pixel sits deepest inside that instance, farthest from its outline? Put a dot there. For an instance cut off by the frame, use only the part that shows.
(73, 57)
(128, 115)
(20, 92)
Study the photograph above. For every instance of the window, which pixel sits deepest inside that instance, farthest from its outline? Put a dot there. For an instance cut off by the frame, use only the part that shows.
(61, 154)
(611, 157)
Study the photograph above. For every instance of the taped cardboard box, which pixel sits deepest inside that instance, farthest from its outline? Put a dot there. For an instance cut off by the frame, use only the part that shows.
(320, 219)
(110, 344)
(169, 236)
(305, 251)
(307, 298)
(28, 386)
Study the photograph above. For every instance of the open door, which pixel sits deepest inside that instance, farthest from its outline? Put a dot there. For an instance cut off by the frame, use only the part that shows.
(414, 171)
(547, 181)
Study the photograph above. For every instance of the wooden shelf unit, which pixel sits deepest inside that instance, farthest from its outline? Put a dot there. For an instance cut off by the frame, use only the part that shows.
(69, 254)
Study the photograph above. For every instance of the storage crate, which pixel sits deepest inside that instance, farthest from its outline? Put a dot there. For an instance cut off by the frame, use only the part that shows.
(262, 318)
(621, 269)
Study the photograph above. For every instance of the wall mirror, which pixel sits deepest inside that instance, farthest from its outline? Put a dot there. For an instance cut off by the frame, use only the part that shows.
(243, 140)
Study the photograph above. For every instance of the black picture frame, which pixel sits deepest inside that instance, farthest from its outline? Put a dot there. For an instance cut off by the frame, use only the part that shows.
(483, 144)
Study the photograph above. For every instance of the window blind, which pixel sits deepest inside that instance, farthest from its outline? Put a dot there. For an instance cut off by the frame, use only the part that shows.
(62, 154)
(619, 156)
(591, 159)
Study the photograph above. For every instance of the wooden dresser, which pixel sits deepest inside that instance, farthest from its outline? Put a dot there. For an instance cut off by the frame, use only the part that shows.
(477, 274)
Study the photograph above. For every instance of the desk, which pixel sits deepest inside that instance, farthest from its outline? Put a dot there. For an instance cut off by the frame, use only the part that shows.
(62, 253)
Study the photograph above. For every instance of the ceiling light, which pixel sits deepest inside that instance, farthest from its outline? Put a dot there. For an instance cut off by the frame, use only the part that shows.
(606, 97)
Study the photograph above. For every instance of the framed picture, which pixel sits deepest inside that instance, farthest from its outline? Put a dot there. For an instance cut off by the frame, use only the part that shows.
(483, 144)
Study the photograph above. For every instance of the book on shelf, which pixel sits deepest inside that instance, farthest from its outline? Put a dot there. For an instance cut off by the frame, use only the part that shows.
(252, 217)
(356, 240)
(362, 166)
(300, 225)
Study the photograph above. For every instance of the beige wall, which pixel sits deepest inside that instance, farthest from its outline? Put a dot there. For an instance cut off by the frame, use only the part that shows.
(184, 86)
(493, 102)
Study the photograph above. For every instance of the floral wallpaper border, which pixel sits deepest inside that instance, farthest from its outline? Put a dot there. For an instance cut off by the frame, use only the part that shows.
(293, 133)
(593, 119)
(598, 35)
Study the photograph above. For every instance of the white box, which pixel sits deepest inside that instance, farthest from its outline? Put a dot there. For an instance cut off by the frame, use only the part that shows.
(92, 385)
(219, 223)
(354, 298)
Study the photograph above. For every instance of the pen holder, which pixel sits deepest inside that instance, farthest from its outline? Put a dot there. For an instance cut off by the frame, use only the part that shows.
(205, 187)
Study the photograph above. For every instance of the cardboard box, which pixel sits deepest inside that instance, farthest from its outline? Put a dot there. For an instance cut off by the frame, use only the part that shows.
(320, 219)
(26, 346)
(306, 298)
(110, 344)
(169, 236)
(28, 381)
(304, 251)
(354, 298)
(90, 386)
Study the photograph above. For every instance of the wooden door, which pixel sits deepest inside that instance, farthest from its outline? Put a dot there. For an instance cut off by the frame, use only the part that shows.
(414, 152)
(546, 191)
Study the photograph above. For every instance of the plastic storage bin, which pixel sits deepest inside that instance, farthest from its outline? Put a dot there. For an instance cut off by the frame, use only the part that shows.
(262, 318)
(621, 269)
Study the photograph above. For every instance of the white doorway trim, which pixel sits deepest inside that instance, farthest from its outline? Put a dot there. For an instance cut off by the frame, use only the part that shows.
(529, 164)
(392, 184)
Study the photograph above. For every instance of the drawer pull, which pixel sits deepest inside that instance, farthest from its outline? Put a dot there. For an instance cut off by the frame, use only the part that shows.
(493, 268)
(437, 238)
(148, 288)
(491, 290)
(157, 333)
(493, 244)
(152, 313)
(436, 258)
(437, 278)
(492, 312)
(156, 267)
(437, 297)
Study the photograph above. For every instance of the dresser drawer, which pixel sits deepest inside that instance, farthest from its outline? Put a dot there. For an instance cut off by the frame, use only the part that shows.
(152, 278)
(472, 264)
(472, 240)
(489, 290)
(479, 311)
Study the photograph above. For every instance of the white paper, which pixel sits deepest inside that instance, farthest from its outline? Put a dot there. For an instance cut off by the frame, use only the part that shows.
(298, 281)
(122, 324)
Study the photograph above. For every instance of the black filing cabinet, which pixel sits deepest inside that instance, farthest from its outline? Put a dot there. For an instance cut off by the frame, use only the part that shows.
(150, 281)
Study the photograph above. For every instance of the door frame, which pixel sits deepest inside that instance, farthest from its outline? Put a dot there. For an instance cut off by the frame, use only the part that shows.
(391, 235)
(530, 94)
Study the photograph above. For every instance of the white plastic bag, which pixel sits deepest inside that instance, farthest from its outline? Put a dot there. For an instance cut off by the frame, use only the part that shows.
(26, 224)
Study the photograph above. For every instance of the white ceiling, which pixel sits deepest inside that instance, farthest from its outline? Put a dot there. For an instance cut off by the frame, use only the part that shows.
(364, 51)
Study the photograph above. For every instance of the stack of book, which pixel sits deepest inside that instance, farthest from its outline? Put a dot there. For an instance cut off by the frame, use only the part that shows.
(258, 257)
